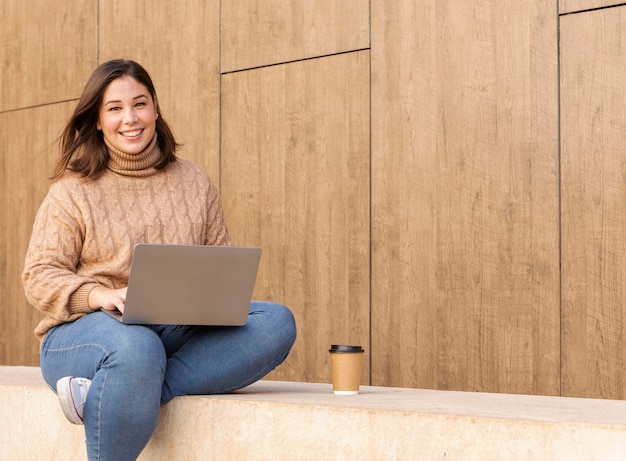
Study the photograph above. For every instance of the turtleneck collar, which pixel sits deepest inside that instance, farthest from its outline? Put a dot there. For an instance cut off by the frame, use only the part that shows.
(138, 165)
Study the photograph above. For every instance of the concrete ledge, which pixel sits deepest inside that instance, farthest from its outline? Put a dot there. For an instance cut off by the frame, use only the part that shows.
(287, 421)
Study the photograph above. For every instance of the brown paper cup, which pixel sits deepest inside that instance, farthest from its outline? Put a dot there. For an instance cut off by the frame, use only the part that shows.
(345, 365)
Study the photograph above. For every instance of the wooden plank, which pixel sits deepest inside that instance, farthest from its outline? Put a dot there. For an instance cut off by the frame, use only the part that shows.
(47, 49)
(573, 6)
(295, 180)
(593, 129)
(263, 32)
(465, 262)
(28, 145)
(178, 44)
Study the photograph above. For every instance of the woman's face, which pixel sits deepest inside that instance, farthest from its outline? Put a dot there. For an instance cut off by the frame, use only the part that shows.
(127, 115)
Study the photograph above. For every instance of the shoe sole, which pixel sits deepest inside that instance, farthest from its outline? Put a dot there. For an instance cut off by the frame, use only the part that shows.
(64, 392)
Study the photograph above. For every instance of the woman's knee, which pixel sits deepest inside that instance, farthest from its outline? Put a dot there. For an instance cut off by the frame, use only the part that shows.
(96, 341)
(277, 319)
(287, 321)
(138, 347)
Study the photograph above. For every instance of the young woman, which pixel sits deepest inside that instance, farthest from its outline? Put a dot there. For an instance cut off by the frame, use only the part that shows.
(118, 182)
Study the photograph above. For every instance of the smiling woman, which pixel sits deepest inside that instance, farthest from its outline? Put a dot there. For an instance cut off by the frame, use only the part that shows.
(118, 183)
(119, 100)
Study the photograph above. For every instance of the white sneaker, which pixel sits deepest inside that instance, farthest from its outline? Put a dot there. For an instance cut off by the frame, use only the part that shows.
(72, 393)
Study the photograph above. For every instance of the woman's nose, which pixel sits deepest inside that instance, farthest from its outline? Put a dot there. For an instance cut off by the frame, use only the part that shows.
(130, 116)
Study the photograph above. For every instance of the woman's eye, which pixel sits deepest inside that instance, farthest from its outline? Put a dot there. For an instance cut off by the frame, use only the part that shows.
(140, 104)
(113, 109)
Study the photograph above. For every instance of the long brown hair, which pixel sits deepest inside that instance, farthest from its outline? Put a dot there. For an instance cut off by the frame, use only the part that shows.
(82, 146)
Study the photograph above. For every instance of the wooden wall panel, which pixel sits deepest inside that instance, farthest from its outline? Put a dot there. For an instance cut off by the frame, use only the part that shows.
(47, 47)
(178, 44)
(593, 129)
(27, 138)
(571, 6)
(263, 32)
(295, 181)
(465, 262)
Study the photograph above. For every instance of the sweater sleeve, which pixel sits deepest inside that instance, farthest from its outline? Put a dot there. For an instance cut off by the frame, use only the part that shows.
(217, 232)
(50, 278)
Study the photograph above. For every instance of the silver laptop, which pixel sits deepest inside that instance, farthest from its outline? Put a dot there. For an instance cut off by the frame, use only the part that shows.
(190, 285)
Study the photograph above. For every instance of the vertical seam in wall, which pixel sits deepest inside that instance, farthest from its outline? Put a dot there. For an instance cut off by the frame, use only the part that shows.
(371, 265)
(219, 121)
(98, 32)
(559, 218)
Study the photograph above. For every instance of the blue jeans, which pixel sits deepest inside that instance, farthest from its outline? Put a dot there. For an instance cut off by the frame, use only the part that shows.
(136, 368)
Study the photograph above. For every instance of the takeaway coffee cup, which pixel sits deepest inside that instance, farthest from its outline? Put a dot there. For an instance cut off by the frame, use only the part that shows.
(345, 366)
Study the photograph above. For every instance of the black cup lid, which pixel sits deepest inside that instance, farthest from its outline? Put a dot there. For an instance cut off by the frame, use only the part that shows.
(344, 348)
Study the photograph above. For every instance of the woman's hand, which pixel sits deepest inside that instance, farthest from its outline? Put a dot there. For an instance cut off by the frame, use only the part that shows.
(107, 298)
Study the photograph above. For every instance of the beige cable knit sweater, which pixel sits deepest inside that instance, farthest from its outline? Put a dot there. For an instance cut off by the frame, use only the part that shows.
(85, 230)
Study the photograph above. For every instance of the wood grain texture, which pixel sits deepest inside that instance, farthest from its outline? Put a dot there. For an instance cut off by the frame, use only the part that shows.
(295, 181)
(47, 48)
(27, 138)
(264, 32)
(178, 44)
(593, 129)
(572, 6)
(465, 262)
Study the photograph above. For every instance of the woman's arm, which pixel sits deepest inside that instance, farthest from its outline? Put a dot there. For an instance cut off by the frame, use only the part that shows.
(50, 278)
(217, 231)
